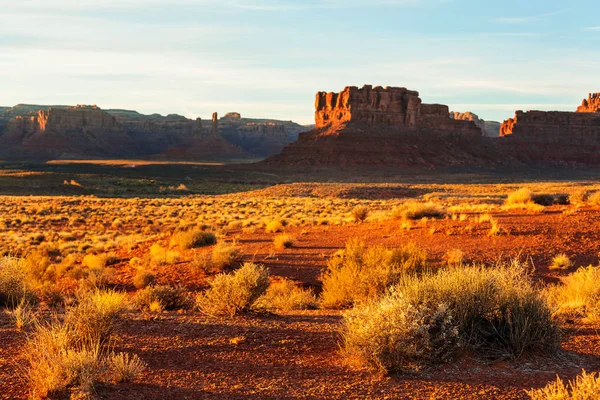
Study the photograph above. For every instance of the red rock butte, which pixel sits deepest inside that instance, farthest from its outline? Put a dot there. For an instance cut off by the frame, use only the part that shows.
(591, 104)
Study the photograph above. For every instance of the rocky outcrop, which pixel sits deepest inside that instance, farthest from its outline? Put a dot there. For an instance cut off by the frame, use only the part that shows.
(383, 126)
(489, 128)
(260, 137)
(591, 104)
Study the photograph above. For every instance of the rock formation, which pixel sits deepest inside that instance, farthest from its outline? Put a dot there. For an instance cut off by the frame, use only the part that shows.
(591, 104)
(489, 128)
(383, 126)
(215, 124)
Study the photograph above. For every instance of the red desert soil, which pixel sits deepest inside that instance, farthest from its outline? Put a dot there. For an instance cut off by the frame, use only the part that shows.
(296, 355)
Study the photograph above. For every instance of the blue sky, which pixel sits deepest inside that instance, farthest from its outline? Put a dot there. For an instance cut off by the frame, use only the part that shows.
(268, 58)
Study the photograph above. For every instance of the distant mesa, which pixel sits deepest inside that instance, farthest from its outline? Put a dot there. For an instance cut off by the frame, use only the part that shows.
(32, 131)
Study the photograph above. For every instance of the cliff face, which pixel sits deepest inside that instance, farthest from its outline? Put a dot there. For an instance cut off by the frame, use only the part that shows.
(261, 137)
(383, 126)
(591, 104)
(489, 128)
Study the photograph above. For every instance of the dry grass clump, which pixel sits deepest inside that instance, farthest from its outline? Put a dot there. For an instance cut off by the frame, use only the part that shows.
(274, 226)
(578, 294)
(561, 261)
(283, 241)
(193, 239)
(125, 367)
(161, 256)
(222, 257)
(14, 284)
(360, 273)
(22, 316)
(286, 295)
(360, 213)
(69, 356)
(594, 198)
(96, 315)
(98, 261)
(162, 297)
(579, 196)
(584, 387)
(496, 312)
(417, 210)
(235, 293)
(525, 199)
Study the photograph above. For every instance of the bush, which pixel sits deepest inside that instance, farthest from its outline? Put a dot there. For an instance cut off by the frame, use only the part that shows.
(235, 293)
(417, 210)
(584, 387)
(496, 312)
(392, 334)
(274, 226)
(193, 239)
(283, 241)
(359, 273)
(161, 256)
(360, 213)
(143, 279)
(98, 262)
(594, 198)
(223, 256)
(561, 261)
(579, 196)
(286, 295)
(578, 295)
(519, 197)
(96, 315)
(162, 297)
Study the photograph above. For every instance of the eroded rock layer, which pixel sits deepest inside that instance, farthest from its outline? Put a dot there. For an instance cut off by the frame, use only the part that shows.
(591, 104)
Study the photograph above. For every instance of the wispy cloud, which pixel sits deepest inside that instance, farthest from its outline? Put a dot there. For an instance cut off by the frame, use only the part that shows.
(529, 19)
(592, 28)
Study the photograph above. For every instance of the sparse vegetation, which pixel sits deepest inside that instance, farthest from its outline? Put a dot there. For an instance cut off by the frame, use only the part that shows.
(360, 213)
(286, 295)
(578, 295)
(193, 238)
(162, 297)
(418, 210)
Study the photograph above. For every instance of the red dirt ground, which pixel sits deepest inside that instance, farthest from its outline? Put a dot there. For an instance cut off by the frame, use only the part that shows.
(295, 355)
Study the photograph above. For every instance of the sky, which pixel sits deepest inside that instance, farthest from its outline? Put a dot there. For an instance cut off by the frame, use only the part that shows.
(268, 58)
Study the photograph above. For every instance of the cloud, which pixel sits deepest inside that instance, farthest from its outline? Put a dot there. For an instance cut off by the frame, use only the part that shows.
(592, 28)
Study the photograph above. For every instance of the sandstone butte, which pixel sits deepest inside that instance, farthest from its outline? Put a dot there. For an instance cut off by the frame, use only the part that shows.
(51, 131)
(391, 126)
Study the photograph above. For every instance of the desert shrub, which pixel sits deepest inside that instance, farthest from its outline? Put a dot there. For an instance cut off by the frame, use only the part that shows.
(594, 198)
(221, 257)
(495, 312)
(283, 241)
(231, 294)
(584, 387)
(143, 279)
(98, 261)
(579, 196)
(416, 210)
(561, 261)
(359, 213)
(392, 334)
(162, 297)
(519, 197)
(359, 273)
(578, 294)
(38, 268)
(14, 285)
(96, 315)
(286, 295)
(193, 239)
(23, 315)
(56, 363)
(124, 367)
(161, 256)
(274, 226)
